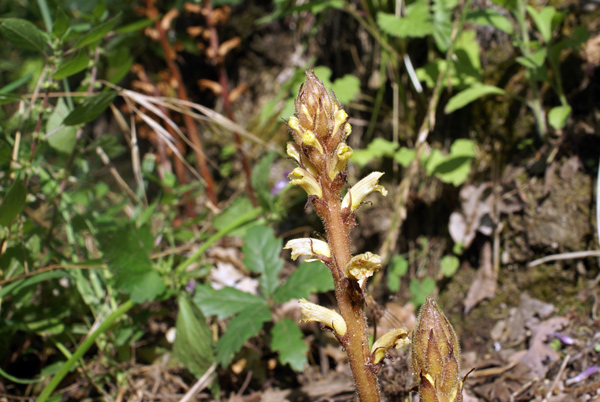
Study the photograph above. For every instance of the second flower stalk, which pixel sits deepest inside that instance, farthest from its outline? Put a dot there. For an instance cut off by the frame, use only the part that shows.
(320, 129)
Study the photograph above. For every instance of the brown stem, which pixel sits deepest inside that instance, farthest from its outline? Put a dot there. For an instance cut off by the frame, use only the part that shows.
(182, 95)
(224, 82)
(356, 341)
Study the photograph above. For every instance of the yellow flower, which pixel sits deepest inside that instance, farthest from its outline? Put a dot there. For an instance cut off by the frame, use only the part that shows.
(308, 247)
(361, 189)
(301, 177)
(314, 313)
(342, 153)
(363, 266)
(396, 338)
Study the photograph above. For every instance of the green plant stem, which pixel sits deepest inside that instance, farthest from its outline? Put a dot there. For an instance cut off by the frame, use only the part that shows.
(82, 349)
(241, 221)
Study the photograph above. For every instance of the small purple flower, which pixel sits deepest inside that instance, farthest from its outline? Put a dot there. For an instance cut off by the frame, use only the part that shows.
(567, 340)
(583, 375)
(281, 183)
(190, 287)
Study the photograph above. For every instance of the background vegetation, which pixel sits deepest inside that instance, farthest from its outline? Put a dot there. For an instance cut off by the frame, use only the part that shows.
(144, 198)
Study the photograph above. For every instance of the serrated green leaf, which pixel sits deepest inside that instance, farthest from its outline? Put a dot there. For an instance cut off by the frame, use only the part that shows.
(90, 108)
(487, 16)
(308, 278)
(237, 208)
(12, 203)
(469, 95)
(346, 88)
(68, 68)
(399, 268)
(261, 254)
(557, 116)
(224, 302)
(96, 33)
(127, 252)
(287, 340)
(246, 325)
(405, 156)
(260, 179)
(419, 290)
(62, 138)
(22, 33)
(193, 344)
(449, 265)
(416, 24)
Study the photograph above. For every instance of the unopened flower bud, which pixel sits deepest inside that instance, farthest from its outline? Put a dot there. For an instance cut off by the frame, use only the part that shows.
(312, 248)
(360, 190)
(435, 356)
(396, 338)
(301, 177)
(314, 313)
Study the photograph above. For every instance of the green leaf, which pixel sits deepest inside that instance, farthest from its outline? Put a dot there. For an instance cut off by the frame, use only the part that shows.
(455, 168)
(237, 208)
(11, 86)
(13, 203)
(534, 61)
(346, 88)
(416, 24)
(469, 95)
(442, 23)
(399, 268)
(61, 23)
(246, 325)
(309, 277)
(17, 286)
(193, 344)
(545, 21)
(96, 33)
(489, 17)
(419, 290)
(224, 302)
(90, 108)
(260, 179)
(557, 116)
(68, 68)
(405, 156)
(127, 252)
(287, 340)
(62, 137)
(135, 26)
(22, 33)
(261, 254)
(449, 265)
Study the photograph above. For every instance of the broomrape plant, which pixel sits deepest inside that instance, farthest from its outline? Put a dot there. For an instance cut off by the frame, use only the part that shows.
(320, 128)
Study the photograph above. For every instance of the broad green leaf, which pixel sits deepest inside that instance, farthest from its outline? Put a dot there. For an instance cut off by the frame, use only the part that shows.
(346, 88)
(246, 325)
(557, 116)
(127, 252)
(449, 265)
(239, 207)
(308, 278)
(416, 24)
(96, 33)
(442, 23)
(534, 61)
(469, 95)
(12, 203)
(193, 344)
(61, 23)
(487, 16)
(90, 108)
(399, 268)
(224, 302)
(510, 5)
(287, 340)
(73, 66)
(260, 179)
(405, 156)
(62, 138)
(261, 254)
(545, 21)
(22, 33)
(378, 148)
(419, 290)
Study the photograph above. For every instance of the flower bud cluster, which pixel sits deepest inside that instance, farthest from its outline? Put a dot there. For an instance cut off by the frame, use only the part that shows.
(435, 356)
